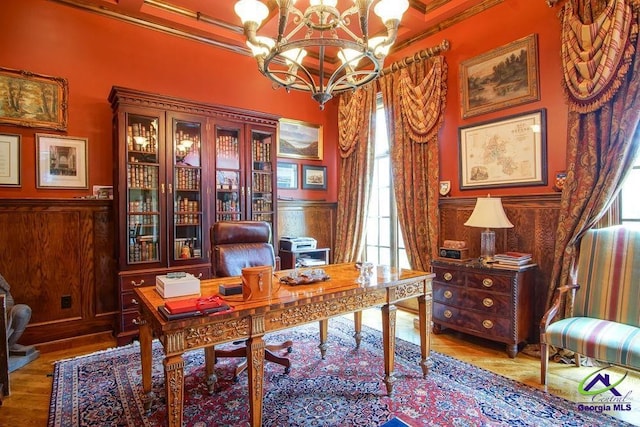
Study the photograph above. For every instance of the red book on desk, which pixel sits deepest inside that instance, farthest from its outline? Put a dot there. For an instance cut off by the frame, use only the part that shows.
(187, 305)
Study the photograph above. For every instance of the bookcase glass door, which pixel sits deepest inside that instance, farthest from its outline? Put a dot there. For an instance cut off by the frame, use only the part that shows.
(143, 189)
(262, 176)
(187, 186)
(229, 184)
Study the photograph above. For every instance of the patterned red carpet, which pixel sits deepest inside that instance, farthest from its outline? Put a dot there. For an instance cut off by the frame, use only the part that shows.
(345, 389)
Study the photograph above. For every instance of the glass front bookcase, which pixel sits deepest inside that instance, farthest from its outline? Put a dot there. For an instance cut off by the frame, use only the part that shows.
(143, 189)
(187, 191)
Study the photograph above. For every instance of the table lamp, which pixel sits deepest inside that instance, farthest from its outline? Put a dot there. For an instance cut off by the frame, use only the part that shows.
(488, 213)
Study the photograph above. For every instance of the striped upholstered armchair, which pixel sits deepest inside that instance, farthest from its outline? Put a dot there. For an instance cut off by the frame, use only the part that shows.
(605, 324)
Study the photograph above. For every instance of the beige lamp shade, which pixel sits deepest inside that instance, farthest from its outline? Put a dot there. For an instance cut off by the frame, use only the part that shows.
(488, 213)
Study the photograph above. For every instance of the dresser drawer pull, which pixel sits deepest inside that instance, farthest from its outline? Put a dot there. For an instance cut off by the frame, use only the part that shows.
(488, 324)
(133, 283)
(448, 314)
(448, 294)
(487, 302)
(200, 276)
(487, 283)
(136, 321)
(447, 276)
(134, 301)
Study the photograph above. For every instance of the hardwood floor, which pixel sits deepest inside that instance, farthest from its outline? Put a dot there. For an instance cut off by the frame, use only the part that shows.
(28, 404)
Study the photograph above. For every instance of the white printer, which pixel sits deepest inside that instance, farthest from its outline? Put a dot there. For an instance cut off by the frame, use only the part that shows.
(297, 244)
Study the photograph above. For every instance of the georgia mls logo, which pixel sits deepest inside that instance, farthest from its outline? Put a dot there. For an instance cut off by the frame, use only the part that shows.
(603, 390)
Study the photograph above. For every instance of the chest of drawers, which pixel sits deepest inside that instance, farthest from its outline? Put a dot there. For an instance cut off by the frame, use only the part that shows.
(488, 302)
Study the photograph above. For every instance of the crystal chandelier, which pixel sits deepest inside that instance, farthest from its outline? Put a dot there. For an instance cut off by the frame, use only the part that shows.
(324, 52)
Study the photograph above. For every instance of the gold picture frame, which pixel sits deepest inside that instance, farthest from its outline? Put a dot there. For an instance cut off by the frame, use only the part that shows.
(501, 78)
(61, 161)
(299, 140)
(33, 100)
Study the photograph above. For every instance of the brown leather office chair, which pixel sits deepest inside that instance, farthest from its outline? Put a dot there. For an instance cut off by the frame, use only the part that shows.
(234, 246)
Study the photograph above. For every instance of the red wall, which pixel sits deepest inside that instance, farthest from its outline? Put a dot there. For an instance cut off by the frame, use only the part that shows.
(502, 24)
(94, 53)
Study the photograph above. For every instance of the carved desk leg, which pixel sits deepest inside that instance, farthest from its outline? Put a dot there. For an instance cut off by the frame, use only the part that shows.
(389, 342)
(324, 332)
(424, 316)
(146, 361)
(357, 326)
(255, 363)
(209, 364)
(174, 388)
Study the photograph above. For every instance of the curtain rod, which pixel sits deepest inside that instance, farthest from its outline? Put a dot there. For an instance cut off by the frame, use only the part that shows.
(418, 56)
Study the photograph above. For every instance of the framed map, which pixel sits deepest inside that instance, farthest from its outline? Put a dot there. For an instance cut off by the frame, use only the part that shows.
(509, 152)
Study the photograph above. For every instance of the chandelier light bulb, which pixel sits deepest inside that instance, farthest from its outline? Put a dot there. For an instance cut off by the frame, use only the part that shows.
(331, 3)
(294, 56)
(391, 9)
(350, 56)
(251, 11)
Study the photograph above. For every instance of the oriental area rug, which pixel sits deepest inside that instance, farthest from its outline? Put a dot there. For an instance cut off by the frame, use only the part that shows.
(345, 389)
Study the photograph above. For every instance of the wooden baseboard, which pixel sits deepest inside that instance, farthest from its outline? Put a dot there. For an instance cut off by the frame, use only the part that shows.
(74, 342)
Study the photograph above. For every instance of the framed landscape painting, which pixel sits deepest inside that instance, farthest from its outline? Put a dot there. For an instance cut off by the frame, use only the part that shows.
(33, 100)
(504, 77)
(299, 140)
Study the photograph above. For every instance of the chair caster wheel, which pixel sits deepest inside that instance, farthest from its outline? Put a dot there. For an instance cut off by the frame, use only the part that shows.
(287, 370)
(289, 349)
(235, 379)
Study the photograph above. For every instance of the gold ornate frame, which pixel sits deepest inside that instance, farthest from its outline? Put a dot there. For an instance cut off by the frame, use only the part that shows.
(299, 140)
(485, 88)
(33, 100)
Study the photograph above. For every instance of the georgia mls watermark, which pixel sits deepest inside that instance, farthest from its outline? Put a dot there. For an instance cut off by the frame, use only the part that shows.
(605, 392)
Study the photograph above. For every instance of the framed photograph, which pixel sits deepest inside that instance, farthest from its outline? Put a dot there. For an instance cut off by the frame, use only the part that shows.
(9, 160)
(501, 78)
(103, 191)
(287, 175)
(33, 100)
(61, 161)
(314, 177)
(299, 140)
(509, 152)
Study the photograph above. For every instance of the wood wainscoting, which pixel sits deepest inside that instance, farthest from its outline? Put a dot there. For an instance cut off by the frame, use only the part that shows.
(534, 218)
(58, 257)
(317, 219)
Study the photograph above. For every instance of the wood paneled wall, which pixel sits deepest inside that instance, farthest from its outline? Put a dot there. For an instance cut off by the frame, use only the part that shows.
(306, 218)
(534, 218)
(55, 248)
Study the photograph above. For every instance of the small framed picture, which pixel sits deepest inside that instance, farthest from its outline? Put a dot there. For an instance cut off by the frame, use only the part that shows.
(9, 160)
(61, 161)
(287, 175)
(314, 177)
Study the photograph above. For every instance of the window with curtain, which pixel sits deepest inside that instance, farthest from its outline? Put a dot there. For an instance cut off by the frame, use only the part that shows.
(629, 201)
(384, 243)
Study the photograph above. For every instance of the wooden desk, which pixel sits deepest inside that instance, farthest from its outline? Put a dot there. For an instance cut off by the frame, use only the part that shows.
(288, 307)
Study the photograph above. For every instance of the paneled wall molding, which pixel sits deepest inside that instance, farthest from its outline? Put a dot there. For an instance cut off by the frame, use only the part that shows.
(535, 219)
(58, 257)
(315, 219)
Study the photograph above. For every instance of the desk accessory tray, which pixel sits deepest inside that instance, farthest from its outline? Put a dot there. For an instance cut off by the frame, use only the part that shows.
(305, 277)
